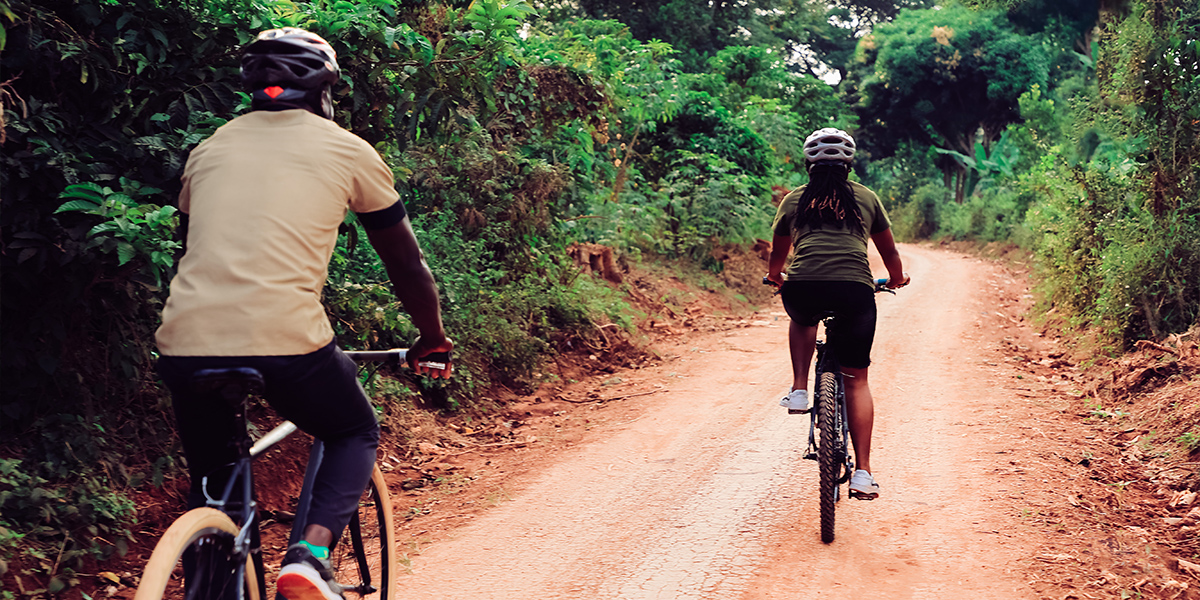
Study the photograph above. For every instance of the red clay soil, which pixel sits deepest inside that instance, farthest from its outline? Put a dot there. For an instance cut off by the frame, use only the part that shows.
(1008, 470)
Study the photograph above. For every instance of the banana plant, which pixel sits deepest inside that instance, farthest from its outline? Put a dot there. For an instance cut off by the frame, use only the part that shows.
(988, 168)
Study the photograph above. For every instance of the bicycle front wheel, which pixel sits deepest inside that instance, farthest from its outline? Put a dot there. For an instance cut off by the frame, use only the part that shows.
(830, 450)
(364, 559)
(197, 549)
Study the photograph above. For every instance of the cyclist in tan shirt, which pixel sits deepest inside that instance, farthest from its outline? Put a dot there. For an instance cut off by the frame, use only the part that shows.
(261, 204)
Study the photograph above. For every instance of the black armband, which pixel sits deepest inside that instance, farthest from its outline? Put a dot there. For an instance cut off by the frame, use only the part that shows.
(382, 219)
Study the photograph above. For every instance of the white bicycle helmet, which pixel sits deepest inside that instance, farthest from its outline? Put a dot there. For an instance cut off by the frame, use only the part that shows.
(829, 144)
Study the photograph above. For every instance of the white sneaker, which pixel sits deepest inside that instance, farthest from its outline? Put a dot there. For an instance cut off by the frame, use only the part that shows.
(796, 402)
(863, 486)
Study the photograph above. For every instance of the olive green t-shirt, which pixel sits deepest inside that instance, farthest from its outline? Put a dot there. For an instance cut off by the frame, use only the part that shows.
(826, 253)
(265, 195)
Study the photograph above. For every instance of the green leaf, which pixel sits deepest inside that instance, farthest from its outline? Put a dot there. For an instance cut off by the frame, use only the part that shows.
(106, 227)
(426, 48)
(56, 585)
(89, 190)
(83, 205)
(162, 39)
(121, 198)
(160, 215)
(125, 252)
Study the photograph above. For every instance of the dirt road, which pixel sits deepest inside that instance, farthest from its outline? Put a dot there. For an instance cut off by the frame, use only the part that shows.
(700, 491)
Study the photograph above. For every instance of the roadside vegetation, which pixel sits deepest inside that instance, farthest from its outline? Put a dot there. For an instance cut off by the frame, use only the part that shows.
(516, 129)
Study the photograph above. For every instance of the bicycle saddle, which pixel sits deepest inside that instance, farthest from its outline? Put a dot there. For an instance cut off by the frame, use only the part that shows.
(232, 384)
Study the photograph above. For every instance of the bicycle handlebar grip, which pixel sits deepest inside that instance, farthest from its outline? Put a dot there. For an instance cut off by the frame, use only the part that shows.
(395, 356)
(881, 286)
(436, 360)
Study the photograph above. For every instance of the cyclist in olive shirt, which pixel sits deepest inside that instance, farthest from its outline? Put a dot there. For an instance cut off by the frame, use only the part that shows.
(825, 225)
(261, 204)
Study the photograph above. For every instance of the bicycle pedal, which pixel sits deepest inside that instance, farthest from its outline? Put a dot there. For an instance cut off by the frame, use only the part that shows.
(797, 411)
(811, 456)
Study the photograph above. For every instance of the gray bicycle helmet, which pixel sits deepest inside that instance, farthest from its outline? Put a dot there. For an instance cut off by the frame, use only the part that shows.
(829, 144)
(290, 68)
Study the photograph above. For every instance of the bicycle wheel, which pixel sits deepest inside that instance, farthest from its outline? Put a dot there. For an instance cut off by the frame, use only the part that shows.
(206, 536)
(830, 450)
(364, 559)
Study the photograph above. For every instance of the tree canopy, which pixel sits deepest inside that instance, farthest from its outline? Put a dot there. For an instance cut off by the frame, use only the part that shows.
(947, 77)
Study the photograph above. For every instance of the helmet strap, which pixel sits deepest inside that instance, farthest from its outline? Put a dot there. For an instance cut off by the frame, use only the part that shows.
(275, 98)
(828, 163)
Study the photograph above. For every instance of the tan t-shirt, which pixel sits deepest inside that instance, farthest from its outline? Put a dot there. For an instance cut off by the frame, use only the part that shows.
(828, 254)
(265, 196)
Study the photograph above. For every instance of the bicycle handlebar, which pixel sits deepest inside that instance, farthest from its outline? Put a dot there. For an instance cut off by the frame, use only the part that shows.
(398, 356)
(880, 285)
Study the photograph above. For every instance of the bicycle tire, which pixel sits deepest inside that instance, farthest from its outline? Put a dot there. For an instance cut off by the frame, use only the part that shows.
(209, 533)
(830, 450)
(375, 546)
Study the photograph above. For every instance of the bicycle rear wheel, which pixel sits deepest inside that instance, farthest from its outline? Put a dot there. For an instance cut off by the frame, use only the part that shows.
(830, 450)
(206, 536)
(364, 559)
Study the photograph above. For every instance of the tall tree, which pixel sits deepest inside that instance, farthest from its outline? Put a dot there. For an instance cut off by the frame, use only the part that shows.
(1075, 18)
(948, 77)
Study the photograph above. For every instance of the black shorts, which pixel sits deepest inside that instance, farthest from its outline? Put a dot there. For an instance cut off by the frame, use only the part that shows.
(853, 303)
(319, 392)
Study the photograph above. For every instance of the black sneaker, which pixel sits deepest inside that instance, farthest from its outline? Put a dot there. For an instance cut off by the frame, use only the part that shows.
(306, 577)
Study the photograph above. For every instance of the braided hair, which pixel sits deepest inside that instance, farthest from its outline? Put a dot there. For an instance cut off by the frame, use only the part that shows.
(828, 199)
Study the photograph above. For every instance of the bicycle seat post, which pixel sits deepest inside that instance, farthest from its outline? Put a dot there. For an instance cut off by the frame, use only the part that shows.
(234, 387)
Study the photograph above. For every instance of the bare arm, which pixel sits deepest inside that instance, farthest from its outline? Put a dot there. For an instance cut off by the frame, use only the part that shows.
(781, 245)
(414, 286)
(886, 245)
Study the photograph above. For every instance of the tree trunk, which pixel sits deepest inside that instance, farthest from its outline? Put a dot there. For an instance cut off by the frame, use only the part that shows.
(623, 168)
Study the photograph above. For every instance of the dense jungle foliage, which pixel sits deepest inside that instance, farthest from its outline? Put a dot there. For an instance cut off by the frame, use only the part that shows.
(660, 128)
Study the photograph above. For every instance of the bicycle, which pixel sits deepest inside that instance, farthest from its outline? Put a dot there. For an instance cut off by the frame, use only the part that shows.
(829, 425)
(216, 549)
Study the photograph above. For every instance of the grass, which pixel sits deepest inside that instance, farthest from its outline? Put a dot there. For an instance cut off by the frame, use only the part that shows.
(497, 496)
(415, 548)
